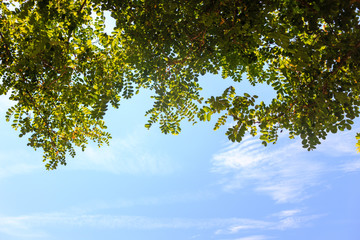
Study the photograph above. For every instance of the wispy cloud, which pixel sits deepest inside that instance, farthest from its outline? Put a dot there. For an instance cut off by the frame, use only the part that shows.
(153, 201)
(128, 155)
(287, 213)
(351, 166)
(35, 225)
(276, 172)
(19, 227)
(295, 221)
(284, 171)
(38, 223)
(341, 144)
(287, 219)
(245, 224)
(254, 237)
(19, 162)
(16, 169)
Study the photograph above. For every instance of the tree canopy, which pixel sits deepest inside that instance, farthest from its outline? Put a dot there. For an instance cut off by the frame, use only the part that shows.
(63, 69)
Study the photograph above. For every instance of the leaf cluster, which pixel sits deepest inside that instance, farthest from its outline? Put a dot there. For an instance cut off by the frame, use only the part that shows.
(63, 69)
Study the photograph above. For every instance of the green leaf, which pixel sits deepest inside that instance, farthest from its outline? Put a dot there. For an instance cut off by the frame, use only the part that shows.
(62, 69)
(208, 116)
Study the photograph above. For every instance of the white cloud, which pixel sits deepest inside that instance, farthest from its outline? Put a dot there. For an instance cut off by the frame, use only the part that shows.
(287, 219)
(287, 213)
(341, 143)
(19, 162)
(285, 171)
(276, 172)
(16, 169)
(19, 227)
(351, 166)
(152, 201)
(245, 224)
(290, 222)
(249, 152)
(254, 237)
(130, 155)
(36, 225)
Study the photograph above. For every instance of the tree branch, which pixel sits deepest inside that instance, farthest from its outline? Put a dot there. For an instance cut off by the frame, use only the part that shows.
(82, 6)
(344, 59)
(6, 46)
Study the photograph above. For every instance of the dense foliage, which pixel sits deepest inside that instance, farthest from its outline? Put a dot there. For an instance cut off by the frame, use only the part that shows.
(63, 70)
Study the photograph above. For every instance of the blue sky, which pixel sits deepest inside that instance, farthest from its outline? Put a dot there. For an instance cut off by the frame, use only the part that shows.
(196, 185)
